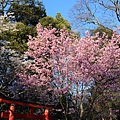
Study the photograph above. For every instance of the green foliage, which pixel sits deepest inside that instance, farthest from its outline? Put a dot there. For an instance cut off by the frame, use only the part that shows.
(59, 22)
(101, 30)
(28, 12)
(19, 37)
(20, 25)
(48, 20)
(62, 22)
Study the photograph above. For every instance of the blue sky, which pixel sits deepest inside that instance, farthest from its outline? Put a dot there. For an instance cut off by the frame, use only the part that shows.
(54, 6)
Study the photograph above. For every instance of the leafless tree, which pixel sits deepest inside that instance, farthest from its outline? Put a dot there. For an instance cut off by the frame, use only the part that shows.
(88, 14)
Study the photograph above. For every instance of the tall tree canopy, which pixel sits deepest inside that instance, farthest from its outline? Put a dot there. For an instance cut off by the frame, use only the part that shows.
(3, 5)
(6, 4)
(28, 12)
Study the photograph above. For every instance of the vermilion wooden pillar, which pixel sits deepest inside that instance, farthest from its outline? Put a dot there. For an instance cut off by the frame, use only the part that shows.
(46, 113)
(31, 112)
(11, 112)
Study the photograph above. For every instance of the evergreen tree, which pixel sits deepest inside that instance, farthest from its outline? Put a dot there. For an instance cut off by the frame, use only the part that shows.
(101, 30)
(19, 37)
(59, 22)
(28, 11)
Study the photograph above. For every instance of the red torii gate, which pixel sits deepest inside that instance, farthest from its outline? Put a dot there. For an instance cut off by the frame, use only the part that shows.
(11, 115)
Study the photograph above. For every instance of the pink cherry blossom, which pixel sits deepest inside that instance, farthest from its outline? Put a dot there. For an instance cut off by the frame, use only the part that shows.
(66, 64)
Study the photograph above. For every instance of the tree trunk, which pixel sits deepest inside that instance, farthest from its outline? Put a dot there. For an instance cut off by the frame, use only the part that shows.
(110, 109)
(81, 110)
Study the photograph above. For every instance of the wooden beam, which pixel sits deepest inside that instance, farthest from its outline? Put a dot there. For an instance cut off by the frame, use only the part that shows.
(22, 116)
(25, 104)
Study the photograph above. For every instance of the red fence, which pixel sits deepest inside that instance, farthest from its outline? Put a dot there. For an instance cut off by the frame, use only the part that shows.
(11, 114)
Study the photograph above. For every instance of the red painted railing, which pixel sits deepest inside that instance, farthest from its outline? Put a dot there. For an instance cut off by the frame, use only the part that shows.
(11, 114)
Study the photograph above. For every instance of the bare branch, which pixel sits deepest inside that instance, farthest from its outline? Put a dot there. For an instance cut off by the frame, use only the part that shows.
(115, 7)
(94, 13)
(117, 10)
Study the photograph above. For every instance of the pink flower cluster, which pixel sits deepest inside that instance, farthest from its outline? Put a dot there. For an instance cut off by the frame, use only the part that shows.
(62, 61)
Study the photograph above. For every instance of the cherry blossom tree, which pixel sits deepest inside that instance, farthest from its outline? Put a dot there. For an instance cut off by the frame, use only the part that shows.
(63, 63)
